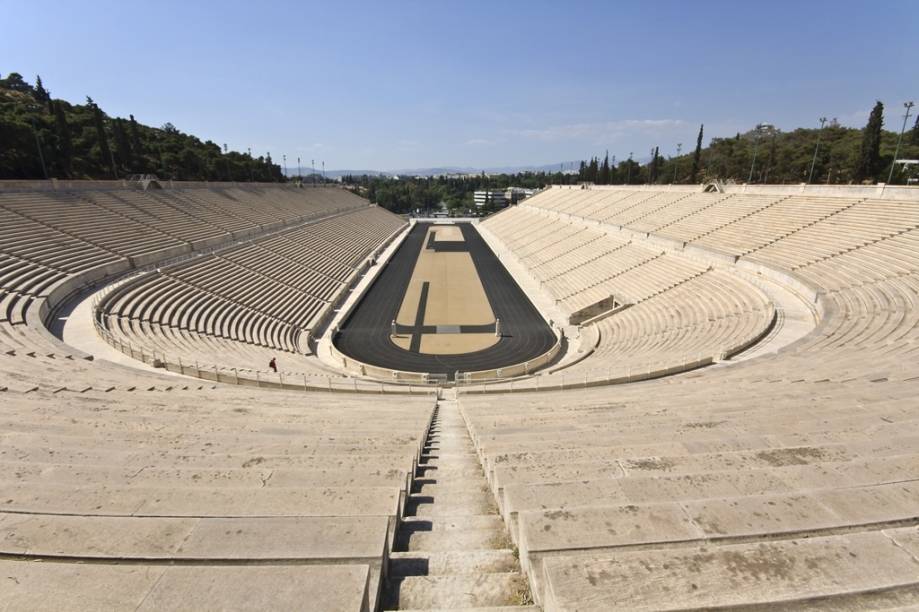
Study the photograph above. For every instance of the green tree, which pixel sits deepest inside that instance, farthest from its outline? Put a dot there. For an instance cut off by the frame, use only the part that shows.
(105, 153)
(868, 163)
(123, 153)
(697, 157)
(15, 82)
(137, 145)
(41, 94)
(64, 140)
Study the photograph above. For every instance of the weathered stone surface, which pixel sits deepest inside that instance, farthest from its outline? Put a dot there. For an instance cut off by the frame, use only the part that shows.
(698, 577)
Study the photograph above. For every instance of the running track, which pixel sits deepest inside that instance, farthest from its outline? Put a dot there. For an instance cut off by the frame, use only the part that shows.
(365, 334)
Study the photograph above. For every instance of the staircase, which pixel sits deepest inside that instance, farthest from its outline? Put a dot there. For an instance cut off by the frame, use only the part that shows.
(451, 551)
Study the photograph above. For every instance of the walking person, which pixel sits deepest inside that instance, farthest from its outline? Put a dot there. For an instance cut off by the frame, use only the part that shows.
(273, 365)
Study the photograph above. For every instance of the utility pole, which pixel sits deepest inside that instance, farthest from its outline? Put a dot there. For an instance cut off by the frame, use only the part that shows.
(760, 128)
(909, 106)
(676, 162)
(810, 177)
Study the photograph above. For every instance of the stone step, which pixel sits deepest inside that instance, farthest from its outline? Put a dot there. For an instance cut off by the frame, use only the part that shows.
(442, 541)
(460, 505)
(451, 488)
(452, 456)
(457, 591)
(110, 586)
(455, 523)
(473, 466)
(442, 563)
(448, 473)
(485, 609)
(317, 539)
(461, 497)
(450, 446)
(839, 572)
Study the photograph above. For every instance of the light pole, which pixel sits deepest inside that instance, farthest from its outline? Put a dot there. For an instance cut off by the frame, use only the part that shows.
(810, 176)
(760, 128)
(313, 173)
(284, 157)
(909, 106)
(323, 171)
(299, 175)
(676, 162)
(753, 163)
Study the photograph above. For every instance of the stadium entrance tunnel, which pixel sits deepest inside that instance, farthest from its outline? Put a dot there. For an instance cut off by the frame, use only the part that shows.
(445, 304)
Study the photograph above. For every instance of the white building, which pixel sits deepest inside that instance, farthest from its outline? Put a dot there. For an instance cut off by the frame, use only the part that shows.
(501, 198)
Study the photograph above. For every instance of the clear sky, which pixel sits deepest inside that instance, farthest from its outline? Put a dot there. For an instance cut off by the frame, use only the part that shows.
(389, 85)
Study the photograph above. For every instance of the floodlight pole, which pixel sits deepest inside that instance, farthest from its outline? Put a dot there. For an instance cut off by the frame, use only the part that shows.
(909, 106)
(679, 147)
(284, 157)
(313, 174)
(810, 176)
(299, 175)
(753, 163)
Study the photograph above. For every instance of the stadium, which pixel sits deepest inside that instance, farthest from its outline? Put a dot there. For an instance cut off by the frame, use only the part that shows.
(694, 398)
(459, 307)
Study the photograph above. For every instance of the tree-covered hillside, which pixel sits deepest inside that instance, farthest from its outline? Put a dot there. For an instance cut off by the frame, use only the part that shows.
(844, 156)
(41, 136)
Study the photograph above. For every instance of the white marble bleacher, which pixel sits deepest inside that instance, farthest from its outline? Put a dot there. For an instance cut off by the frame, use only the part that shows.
(127, 488)
(263, 293)
(784, 481)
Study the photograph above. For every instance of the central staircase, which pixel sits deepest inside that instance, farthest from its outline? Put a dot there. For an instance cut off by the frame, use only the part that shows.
(452, 551)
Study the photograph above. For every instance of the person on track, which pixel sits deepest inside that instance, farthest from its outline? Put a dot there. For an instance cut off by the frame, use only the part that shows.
(273, 365)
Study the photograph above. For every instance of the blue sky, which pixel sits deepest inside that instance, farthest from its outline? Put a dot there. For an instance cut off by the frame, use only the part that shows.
(388, 85)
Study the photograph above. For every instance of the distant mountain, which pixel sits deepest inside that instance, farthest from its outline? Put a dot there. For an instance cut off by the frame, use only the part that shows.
(569, 166)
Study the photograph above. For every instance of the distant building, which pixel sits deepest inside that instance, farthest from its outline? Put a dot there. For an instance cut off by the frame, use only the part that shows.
(501, 198)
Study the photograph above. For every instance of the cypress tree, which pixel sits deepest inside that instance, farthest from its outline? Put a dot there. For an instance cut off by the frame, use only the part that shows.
(41, 94)
(604, 170)
(105, 152)
(64, 140)
(868, 163)
(697, 157)
(123, 151)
